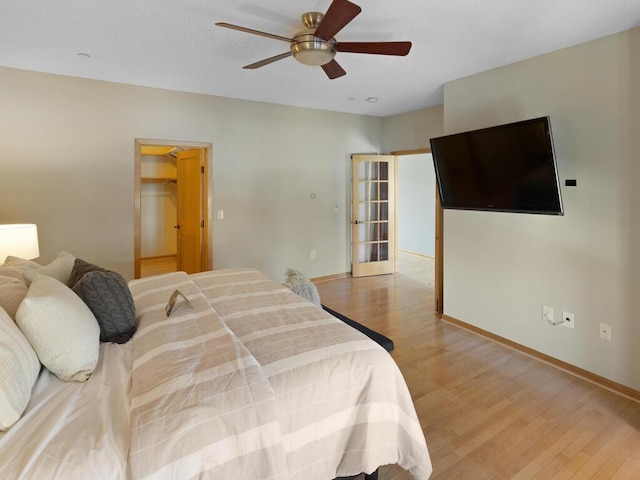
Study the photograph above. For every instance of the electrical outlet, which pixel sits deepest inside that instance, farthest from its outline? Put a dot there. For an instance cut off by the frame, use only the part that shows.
(547, 314)
(313, 254)
(605, 331)
(568, 320)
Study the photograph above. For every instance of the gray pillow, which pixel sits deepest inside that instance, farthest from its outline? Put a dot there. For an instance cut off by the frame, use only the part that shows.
(109, 299)
(80, 268)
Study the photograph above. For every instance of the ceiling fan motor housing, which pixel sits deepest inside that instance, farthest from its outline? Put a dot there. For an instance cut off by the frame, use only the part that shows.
(309, 49)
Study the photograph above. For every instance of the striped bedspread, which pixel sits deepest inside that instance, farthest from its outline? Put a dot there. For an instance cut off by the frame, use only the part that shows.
(247, 380)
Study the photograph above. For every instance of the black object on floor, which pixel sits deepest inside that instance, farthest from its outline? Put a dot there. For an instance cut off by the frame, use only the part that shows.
(384, 342)
(372, 476)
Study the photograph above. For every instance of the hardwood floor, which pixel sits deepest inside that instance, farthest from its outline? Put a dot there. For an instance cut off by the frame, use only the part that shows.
(157, 266)
(487, 411)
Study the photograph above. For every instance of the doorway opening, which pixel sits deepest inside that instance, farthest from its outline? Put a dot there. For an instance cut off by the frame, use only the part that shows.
(419, 219)
(172, 207)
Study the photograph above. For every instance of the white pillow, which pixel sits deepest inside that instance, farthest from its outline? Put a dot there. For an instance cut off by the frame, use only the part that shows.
(60, 328)
(60, 268)
(19, 368)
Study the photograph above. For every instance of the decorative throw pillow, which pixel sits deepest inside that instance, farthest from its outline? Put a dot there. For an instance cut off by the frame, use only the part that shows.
(16, 266)
(13, 272)
(60, 328)
(12, 291)
(108, 296)
(19, 368)
(80, 268)
(60, 268)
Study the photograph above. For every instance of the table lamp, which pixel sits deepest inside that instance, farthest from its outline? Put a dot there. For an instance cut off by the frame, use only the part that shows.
(19, 240)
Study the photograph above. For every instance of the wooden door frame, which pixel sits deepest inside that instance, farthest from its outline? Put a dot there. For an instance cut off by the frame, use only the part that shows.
(439, 232)
(207, 200)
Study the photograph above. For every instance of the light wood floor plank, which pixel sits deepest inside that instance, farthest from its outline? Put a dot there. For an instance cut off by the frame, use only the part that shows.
(158, 266)
(489, 412)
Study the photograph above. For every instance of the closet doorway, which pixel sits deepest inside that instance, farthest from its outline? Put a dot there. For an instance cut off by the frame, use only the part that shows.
(172, 207)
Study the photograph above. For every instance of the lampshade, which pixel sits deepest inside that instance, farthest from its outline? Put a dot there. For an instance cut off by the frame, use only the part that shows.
(19, 240)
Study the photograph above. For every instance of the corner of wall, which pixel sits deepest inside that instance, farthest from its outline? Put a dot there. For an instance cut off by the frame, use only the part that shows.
(412, 130)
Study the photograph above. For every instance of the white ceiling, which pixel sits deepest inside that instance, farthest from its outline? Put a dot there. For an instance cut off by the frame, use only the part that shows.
(173, 44)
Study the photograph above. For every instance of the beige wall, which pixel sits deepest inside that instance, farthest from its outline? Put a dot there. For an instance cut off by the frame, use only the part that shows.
(66, 164)
(412, 130)
(500, 268)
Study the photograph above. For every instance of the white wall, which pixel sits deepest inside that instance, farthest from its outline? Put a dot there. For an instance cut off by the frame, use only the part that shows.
(416, 204)
(66, 164)
(500, 268)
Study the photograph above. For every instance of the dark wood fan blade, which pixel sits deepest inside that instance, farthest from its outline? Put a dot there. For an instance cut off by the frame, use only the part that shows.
(333, 70)
(267, 61)
(255, 32)
(375, 48)
(340, 13)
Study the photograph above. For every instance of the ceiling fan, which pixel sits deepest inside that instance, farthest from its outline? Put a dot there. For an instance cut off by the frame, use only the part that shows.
(315, 44)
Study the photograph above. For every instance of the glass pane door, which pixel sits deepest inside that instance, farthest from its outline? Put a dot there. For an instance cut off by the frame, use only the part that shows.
(373, 207)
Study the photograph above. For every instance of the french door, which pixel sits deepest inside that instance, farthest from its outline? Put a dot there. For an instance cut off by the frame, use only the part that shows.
(373, 215)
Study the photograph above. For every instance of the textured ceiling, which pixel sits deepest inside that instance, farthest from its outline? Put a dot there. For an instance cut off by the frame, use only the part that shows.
(174, 44)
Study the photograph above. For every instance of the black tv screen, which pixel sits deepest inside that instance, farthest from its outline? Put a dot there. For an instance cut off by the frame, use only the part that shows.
(506, 168)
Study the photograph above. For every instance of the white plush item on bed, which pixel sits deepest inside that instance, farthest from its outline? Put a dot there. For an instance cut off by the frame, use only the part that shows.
(19, 367)
(299, 284)
(60, 328)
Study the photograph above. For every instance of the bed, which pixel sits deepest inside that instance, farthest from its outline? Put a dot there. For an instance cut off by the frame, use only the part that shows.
(243, 380)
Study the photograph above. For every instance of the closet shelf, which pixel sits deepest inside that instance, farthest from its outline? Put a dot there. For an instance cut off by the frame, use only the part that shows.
(158, 180)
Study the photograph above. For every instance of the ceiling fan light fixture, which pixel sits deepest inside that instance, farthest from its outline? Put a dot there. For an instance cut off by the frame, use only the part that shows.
(311, 50)
(313, 57)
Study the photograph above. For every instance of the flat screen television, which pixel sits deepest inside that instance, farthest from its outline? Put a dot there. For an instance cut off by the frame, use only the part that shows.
(506, 168)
